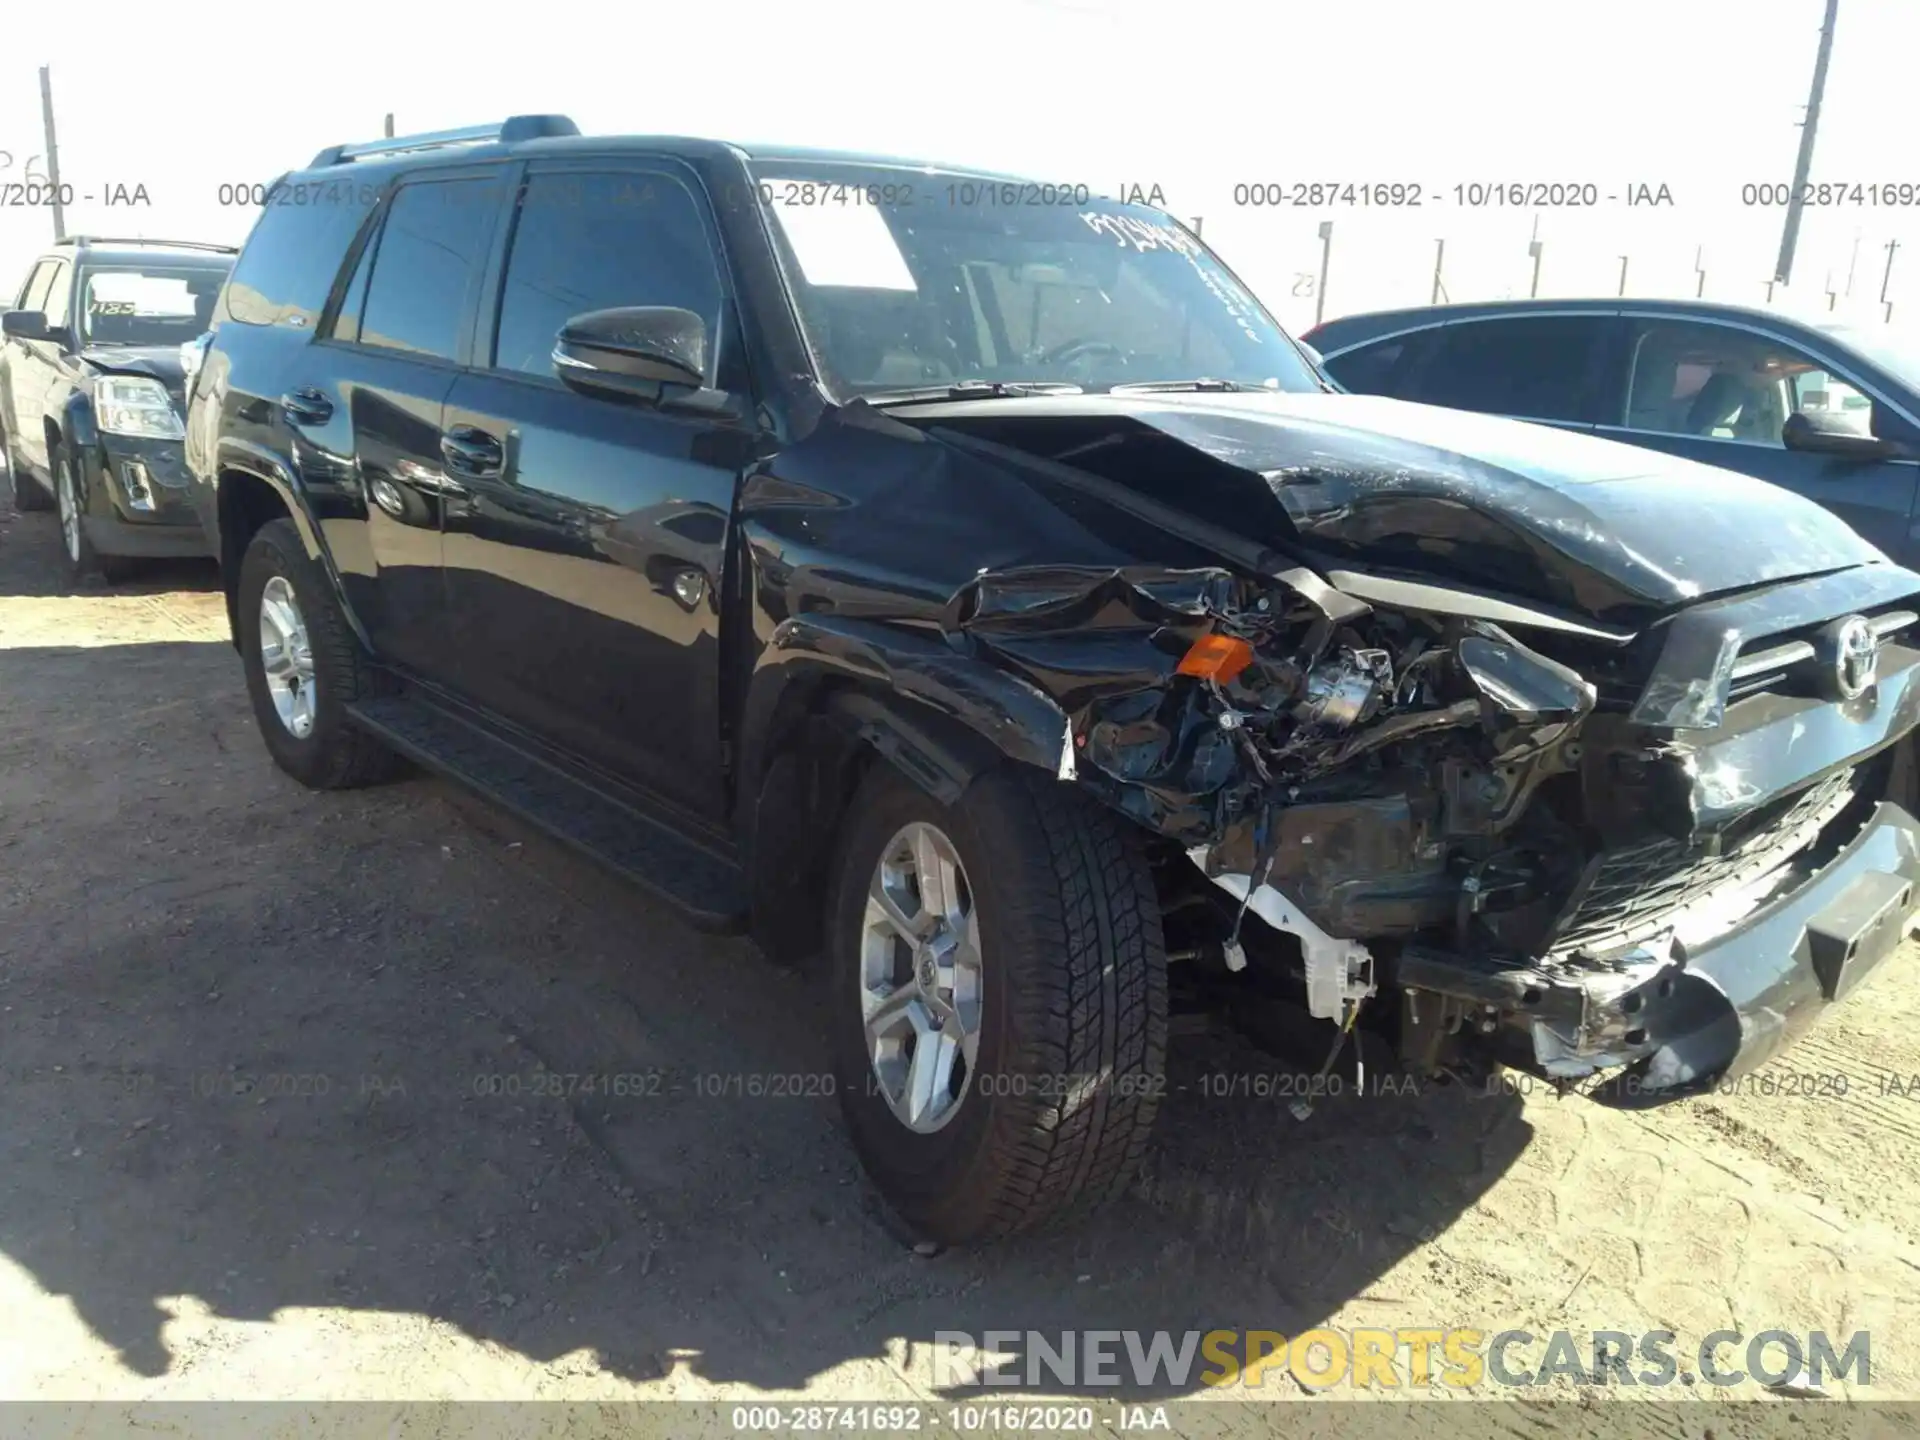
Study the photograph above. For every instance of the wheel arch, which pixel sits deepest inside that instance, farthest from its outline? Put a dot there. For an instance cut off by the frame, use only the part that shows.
(253, 487)
(828, 698)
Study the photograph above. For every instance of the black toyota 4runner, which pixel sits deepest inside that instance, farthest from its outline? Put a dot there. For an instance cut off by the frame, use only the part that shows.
(93, 366)
(964, 580)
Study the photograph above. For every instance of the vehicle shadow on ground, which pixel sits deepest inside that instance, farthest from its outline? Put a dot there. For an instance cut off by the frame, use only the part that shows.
(384, 1052)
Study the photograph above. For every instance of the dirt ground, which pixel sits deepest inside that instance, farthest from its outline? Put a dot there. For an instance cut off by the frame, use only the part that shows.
(273, 1122)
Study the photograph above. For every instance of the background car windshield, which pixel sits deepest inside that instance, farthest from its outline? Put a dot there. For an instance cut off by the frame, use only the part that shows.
(906, 279)
(147, 305)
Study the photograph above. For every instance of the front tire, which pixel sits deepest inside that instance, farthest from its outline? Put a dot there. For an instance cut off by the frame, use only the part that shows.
(1034, 966)
(304, 667)
(83, 560)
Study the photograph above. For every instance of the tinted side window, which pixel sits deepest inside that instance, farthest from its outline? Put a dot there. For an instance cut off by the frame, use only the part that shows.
(594, 241)
(430, 251)
(58, 294)
(1534, 369)
(288, 264)
(1372, 369)
(1720, 383)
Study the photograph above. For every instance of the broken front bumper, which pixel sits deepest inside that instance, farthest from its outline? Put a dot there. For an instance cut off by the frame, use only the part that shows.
(1681, 1020)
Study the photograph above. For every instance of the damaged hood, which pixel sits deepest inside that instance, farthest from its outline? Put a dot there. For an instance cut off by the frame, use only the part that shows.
(1606, 529)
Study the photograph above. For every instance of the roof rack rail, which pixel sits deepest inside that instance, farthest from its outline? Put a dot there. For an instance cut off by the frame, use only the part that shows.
(145, 240)
(509, 131)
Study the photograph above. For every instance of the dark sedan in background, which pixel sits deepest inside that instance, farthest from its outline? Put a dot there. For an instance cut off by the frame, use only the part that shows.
(1826, 409)
(91, 394)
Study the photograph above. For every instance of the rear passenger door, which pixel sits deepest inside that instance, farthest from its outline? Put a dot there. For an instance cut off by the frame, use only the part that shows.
(1720, 393)
(374, 399)
(587, 549)
(1550, 369)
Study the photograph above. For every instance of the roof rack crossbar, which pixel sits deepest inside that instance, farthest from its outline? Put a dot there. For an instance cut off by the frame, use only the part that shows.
(509, 131)
(146, 240)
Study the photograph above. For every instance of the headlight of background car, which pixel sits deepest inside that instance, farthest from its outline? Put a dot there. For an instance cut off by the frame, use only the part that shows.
(130, 405)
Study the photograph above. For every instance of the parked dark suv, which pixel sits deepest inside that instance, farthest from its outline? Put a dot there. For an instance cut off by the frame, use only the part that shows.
(91, 394)
(1829, 409)
(965, 580)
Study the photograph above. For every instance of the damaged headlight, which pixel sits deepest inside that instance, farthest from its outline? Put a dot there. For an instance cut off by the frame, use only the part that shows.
(1520, 680)
(134, 405)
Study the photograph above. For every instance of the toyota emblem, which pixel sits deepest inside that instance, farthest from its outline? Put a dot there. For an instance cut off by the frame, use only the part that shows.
(1856, 654)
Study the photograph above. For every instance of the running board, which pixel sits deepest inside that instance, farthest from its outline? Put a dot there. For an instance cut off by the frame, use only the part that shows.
(708, 890)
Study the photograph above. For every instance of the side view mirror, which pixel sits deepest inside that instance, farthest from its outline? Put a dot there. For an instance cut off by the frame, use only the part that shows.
(1828, 432)
(633, 351)
(24, 325)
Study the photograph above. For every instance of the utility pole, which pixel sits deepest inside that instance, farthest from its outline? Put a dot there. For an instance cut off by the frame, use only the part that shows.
(1853, 263)
(53, 153)
(1533, 249)
(1439, 258)
(389, 125)
(1790, 236)
(1700, 269)
(1886, 279)
(1623, 274)
(1326, 254)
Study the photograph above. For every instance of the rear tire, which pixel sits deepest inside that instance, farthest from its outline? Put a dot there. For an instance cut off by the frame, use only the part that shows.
(1054, 1113)
(318, 672)
(28, 493)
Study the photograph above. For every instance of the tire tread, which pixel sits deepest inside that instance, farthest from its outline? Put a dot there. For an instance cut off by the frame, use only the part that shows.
(1100, 1015)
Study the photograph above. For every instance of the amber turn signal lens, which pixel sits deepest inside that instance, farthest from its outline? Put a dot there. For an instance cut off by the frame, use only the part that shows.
(1217, 657)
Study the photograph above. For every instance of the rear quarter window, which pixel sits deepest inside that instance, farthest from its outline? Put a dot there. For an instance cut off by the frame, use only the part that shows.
(1372, 369)
(289, 262)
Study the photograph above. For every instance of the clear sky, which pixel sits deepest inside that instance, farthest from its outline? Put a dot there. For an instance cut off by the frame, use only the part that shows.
(1699, 96)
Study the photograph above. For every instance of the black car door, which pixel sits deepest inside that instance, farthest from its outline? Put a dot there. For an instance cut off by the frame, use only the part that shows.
(1721, 393)
(585, 554)
(1547, 368)
(31, 366)
(365, 405)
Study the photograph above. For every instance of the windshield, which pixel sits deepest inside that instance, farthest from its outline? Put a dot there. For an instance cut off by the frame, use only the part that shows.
(147, 304)
(908, 279)
(1894, 350)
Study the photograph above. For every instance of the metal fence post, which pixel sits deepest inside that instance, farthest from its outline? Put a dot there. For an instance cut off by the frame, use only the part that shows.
(1326, 257)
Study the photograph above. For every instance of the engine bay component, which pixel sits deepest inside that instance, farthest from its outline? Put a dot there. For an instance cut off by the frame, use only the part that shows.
(1347, 691)
(1339, 973)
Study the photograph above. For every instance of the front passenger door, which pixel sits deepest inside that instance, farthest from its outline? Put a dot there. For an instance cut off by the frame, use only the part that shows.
(30, 372)
(585, 557)
(1720, 394)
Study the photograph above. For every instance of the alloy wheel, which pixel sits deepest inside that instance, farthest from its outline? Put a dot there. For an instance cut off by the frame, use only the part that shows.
(921, 982)
(286, 654)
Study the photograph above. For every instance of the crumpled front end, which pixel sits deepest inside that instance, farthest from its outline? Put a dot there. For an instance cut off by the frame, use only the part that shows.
(1580, 853)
